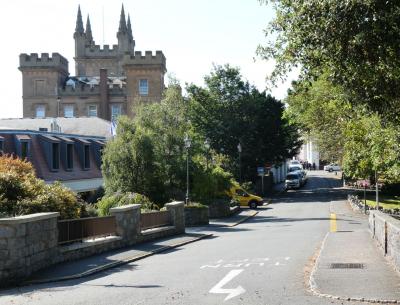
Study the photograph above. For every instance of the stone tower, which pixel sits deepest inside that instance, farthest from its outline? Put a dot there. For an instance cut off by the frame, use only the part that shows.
(41, 78)
(108, 81)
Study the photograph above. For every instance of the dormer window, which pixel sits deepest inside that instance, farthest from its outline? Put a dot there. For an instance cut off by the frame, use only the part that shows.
(51, 148)
(86, 156)
(69, 157)
(1, 145)
(22, 145)
(67, 153)
(82, 147)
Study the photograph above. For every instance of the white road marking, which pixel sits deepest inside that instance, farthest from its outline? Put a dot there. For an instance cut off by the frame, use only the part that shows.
(232, 292)
(210, 266)
(233, 265)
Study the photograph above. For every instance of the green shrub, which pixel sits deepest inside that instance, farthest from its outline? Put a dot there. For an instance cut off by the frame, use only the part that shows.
(89, 210)
(22, 193)
(120, 199)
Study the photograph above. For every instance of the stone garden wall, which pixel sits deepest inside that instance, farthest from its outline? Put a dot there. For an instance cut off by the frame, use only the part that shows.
(29, 243)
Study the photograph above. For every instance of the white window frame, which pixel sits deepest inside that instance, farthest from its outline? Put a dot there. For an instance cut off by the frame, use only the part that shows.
(40, 108)
(143, 90)
(95, 111)
(67, 109)
(114, 113)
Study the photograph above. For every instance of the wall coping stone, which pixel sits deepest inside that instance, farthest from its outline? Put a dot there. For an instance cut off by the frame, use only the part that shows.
(28, 218)
(125, 208)
(386, 217)
(175, 204)
(156, 230)
(89, 243)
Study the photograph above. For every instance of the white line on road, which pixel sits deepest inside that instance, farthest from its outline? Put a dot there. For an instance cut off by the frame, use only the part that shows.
(232, 292)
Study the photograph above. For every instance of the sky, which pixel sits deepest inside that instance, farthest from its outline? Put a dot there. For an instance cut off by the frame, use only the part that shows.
(193, 36)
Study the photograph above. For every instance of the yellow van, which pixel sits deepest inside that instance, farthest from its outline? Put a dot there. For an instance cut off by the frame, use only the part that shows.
(244, 198)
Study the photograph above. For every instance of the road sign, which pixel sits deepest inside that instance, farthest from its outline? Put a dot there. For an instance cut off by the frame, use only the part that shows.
(261, 171)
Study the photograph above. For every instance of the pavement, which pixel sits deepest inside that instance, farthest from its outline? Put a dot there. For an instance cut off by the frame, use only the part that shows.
(111, 259)
(349, 261)
(281, 255)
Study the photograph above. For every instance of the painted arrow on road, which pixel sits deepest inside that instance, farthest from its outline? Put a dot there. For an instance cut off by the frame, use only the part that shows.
(232, 292)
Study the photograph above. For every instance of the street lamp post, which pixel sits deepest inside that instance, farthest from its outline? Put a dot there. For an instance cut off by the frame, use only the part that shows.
(207, 146)
(239, 147)
(187, 146)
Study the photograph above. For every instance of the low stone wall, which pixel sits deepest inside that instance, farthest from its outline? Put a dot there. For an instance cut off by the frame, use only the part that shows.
(386, 231)
(220, 208)
(29, 243)
(195, 216)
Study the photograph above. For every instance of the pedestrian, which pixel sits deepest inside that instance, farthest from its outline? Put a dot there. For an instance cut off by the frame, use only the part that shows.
(313, 165)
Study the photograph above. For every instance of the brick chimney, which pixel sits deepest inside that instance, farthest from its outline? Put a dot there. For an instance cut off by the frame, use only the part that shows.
(104, 111)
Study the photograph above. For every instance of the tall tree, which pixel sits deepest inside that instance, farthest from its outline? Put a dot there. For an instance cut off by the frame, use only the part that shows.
(357, 40)
(229, 111)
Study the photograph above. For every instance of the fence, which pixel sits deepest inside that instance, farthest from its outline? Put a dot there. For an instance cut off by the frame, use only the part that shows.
(155, 219)
(71, 230)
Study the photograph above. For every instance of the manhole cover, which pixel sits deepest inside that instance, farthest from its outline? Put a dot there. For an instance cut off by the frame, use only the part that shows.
(347, 266)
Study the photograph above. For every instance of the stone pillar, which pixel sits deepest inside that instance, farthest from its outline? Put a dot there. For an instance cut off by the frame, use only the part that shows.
(127, 220)
(27, 243)
(177, 211)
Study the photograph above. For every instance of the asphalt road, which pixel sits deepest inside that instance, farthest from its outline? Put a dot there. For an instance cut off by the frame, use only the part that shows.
(261, 261)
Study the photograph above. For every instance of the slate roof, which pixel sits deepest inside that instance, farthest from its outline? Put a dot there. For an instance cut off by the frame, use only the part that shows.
(86, 126)
(39, 157)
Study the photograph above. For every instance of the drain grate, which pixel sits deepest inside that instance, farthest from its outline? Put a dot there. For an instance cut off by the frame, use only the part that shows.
(347, 266)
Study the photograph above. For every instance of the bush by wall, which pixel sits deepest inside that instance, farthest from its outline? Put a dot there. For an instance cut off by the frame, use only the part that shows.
(120, 199)
(22, 193)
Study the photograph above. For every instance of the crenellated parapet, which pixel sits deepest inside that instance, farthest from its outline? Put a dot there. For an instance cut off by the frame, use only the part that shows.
(98, 51)
(33, 60)
(138, 59)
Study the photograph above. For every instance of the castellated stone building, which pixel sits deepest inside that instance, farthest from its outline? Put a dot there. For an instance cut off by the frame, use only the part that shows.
(108, 81)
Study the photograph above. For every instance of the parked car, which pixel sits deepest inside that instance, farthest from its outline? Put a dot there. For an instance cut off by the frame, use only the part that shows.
(244, 198)
(294, 162)
(295, 167)
(303, 175)
(293, 180)
(332, 167)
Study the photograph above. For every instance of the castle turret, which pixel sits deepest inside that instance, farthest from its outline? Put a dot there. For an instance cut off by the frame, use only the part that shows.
(122, 34)
(88, 33)
(80, 41)
(42, 77)
(130, 35)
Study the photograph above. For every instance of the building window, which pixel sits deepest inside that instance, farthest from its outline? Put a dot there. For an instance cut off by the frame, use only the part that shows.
(55, 158)
(40, 111)
(86, 156)
(92, 111)
(116, 110)
(69, 111)
(70, 156)
(24, 149)
(143, 87)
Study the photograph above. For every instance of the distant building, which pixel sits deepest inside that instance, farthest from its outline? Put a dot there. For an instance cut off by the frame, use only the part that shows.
(73, 159)
(309, 152)
(108, 81)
